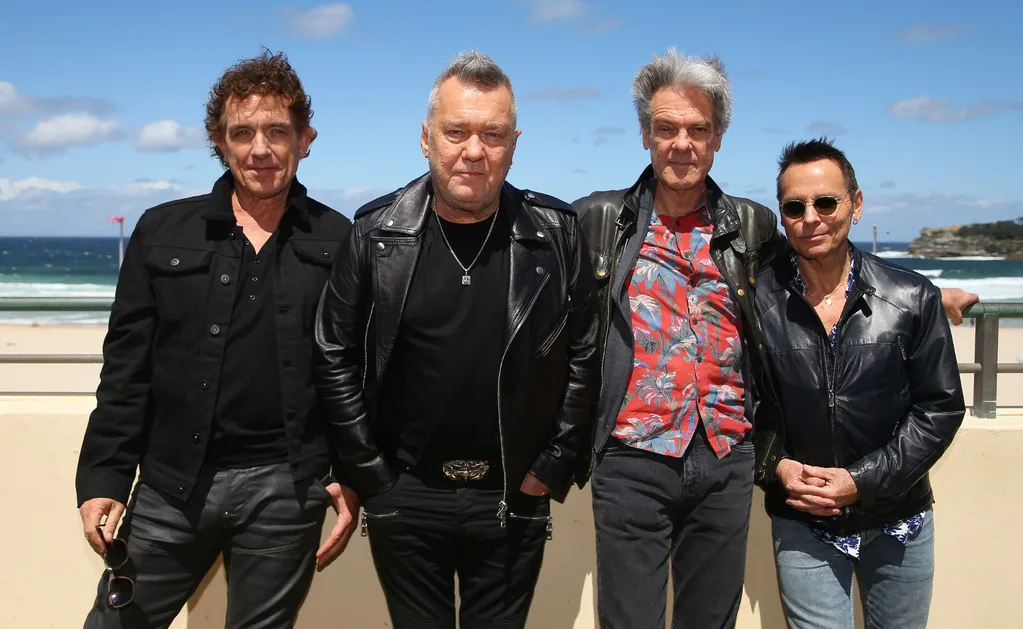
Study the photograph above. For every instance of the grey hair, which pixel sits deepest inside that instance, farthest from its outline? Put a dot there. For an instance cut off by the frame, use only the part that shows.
(474, 68)
(678, 70)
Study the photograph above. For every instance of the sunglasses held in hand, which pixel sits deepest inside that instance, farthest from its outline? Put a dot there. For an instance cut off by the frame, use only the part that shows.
(120, 589)
(825, 206)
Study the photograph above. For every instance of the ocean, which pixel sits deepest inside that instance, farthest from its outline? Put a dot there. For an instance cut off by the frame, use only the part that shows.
(87, 267)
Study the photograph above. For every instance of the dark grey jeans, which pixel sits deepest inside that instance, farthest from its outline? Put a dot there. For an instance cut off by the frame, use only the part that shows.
(692, 514)
(266, 526)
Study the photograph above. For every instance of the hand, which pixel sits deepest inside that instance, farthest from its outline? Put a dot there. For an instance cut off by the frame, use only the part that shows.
(955, 300)
(838, 486)
(92, 512)
(531, 486)
(798, 483)
(346, 503)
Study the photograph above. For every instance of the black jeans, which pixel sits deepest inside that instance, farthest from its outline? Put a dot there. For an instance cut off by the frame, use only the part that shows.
(266, 526)
(423, 533)
(651, 510)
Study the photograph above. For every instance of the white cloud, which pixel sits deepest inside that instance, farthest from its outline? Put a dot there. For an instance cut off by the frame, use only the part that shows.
(554, 10)
(928, 33)
(146, 187)
(13, 102)
(10, 189)
(931, 110)
(167, 136)
(903, 214)
(321, 22)
(56, 134)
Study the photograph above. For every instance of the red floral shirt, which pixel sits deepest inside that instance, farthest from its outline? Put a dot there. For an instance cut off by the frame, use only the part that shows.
(687, 333)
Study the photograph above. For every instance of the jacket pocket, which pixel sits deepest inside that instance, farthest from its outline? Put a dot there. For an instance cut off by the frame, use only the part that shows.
(317, 252)
(367, 516)
(559, 327)
(180, 279)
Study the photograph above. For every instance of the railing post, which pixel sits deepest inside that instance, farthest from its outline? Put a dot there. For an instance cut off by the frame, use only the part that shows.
(985, 352)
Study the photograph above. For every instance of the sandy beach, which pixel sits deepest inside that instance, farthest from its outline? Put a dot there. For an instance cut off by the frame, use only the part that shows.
(85, 339)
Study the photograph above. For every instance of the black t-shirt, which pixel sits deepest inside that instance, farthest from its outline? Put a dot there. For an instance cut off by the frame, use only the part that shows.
(248, 427)
(439, 397)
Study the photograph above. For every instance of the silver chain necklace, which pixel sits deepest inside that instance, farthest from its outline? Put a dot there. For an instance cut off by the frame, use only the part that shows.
(466, 278)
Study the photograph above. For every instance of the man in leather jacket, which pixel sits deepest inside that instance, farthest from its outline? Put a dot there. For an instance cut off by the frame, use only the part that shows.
(871, 397)
(206, 387)
(457, 365)
(675, 451)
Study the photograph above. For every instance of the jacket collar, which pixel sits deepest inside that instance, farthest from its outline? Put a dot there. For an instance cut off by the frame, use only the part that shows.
(639, 201)
(407, 214)
(220, 209)
(785, 276)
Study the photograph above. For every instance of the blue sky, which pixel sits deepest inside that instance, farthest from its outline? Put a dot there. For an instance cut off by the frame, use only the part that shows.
(101, 109)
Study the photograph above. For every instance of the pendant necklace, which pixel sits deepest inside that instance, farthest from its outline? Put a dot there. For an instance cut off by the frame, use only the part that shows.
(466, 278)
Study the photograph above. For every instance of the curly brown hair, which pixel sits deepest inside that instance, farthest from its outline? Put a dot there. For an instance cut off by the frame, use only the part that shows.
(267, 74)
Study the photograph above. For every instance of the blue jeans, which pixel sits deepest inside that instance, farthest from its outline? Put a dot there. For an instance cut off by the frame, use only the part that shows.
(816, 578)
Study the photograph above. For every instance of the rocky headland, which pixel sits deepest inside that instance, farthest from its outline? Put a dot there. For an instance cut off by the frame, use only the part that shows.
(1003, 239)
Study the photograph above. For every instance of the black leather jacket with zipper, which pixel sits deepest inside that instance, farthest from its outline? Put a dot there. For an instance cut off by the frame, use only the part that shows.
(745, 236)
(884, 405)
(548, 376)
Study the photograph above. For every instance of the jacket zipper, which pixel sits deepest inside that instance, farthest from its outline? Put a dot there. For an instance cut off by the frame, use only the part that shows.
(502, 507)
(537, 518)
(365, 346)
(364, 523)
(547, 344)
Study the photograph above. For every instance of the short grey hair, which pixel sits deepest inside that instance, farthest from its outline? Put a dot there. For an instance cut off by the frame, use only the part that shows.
(474, 68)
(678, 70)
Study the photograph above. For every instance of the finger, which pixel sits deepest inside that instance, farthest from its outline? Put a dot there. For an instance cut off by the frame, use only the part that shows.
(90, 521)
(817, 494)
(113, 517)
(814, 481)
(798, 504)
(824, 512)
(814, 500)
(326, 551)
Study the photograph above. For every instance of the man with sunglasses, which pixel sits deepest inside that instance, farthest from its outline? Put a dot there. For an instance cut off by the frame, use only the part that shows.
(206, 389)
(676, 261)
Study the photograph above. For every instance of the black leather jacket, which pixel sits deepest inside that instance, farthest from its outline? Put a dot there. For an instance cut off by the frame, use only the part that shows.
(885, 405)
(548, 379)
(168, 328)
(745, 236)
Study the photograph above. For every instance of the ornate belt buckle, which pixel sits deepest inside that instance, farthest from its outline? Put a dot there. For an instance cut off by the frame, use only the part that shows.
(463, 469)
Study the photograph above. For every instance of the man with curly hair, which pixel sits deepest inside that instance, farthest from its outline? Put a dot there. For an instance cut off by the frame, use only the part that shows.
(206, 390)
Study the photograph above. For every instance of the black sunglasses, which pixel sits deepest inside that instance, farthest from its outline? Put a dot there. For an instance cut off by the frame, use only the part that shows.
(120, 589)
(824, 206)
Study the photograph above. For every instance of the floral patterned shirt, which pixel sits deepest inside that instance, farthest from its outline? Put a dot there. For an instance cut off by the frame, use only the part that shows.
(687, 331)
(901, 530)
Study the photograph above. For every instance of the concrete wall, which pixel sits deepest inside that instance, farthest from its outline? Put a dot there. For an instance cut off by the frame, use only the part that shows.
(50, 574)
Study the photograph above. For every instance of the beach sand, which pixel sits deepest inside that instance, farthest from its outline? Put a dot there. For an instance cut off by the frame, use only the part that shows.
(20, 339)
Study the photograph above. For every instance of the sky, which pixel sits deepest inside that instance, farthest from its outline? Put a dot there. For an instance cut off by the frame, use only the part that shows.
(101, 109)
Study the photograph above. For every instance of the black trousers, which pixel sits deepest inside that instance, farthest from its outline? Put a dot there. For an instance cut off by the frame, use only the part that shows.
(424, 532)
(266, 526)
(690, 515)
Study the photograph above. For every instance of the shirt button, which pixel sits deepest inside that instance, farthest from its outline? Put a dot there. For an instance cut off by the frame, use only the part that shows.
(225, 279)
(214, 329)
(195, 438)
(325, 254)
(181, 489)
(175, 261)
(255, 279)
(204, 385)
(252, 298)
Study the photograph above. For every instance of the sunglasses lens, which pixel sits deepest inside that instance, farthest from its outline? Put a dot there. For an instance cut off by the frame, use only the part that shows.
(116, 553)
(120, 592)
(826, 205)
(793, 209)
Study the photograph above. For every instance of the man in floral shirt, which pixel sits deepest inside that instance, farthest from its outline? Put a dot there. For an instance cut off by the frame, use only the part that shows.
(676, 262)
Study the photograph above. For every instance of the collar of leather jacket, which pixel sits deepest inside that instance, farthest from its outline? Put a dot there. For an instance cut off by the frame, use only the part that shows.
(220, 209)
(407, 208)
(641, 197)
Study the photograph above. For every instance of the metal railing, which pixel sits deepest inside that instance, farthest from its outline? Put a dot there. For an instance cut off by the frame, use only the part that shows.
(985, 367)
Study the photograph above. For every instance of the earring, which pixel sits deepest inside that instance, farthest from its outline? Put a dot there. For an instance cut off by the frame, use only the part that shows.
(856, 221)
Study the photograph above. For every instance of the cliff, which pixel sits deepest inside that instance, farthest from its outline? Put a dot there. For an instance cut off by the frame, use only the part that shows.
(1004, 238)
